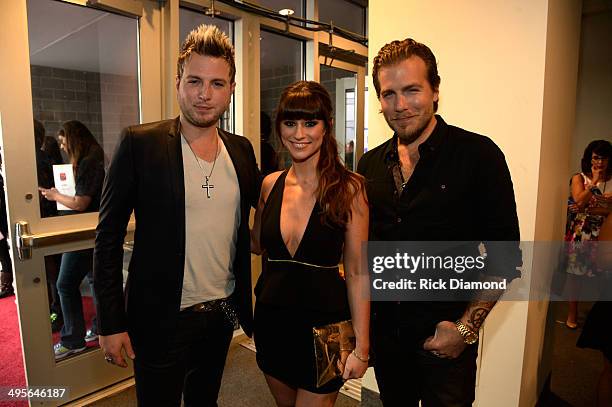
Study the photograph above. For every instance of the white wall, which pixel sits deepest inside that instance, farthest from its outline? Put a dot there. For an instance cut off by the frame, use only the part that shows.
(491, 60)
(594, 104)
(558, 119)
(492, 57)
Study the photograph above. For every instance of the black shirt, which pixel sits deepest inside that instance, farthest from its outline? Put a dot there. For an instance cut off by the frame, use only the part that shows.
(460, 190)
(3, 218)
(89, 178)
(44, 171)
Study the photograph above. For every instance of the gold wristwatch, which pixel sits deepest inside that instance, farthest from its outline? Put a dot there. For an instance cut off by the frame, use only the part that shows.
(470, 337)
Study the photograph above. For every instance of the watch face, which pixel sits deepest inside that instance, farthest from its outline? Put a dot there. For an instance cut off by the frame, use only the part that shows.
(471, 338)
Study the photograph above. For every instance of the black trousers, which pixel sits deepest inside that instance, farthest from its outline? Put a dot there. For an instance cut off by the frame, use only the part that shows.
(192, 367)
(5, 257)
(406, 373)
(52, 267)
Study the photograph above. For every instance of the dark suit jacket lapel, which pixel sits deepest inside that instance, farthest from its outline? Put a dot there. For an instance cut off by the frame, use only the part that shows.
(177, 179)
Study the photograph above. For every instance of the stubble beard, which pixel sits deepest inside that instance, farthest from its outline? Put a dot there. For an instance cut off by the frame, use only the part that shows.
(203, 123)
(410, 136)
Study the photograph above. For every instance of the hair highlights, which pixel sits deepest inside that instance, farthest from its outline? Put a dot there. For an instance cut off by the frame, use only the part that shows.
(207, 40)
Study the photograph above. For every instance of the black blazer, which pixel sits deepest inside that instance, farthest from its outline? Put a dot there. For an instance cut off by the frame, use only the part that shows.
(146, 175)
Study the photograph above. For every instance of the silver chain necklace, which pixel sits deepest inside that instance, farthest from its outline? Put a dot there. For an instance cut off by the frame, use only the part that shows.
(206, 185)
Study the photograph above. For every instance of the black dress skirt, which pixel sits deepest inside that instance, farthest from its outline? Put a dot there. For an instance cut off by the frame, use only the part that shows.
(295, 294)
(597, 333)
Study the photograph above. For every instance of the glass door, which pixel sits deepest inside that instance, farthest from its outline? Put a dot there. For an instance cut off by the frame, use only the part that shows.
(345, 83)
(72, 83)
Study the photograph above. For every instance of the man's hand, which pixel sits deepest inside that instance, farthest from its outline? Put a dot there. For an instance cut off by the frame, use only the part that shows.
(112, 346)
(447, 342)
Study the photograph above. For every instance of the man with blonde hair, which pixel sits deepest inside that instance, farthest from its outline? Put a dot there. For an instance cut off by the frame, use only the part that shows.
(191, 186)
(432, 182)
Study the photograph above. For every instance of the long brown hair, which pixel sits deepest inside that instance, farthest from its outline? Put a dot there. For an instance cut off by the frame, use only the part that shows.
(79, 141)
(338, 187)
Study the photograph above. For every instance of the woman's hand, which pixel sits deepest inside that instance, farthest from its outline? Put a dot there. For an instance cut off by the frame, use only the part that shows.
(600, 205)
(598, 174)
(78, 203)
(574, 208)
(600, 201)
(344, 354)
(354, 368)
(50, 194)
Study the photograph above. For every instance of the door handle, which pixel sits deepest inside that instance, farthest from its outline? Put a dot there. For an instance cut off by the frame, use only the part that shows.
(25, 241)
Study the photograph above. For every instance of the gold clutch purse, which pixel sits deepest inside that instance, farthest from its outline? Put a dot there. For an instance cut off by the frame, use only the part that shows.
(332, 344)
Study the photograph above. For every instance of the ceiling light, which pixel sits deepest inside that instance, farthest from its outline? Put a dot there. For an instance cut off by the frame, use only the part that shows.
(286, 12)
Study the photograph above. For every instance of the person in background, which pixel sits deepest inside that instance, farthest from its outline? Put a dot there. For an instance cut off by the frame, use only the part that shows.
(269, 158)
(597, 332)
(309, 218)
(44, 170)
(48, 208)
(87, 159)
(589, 204)
(349, 155)
(6, 275)
(52, 148)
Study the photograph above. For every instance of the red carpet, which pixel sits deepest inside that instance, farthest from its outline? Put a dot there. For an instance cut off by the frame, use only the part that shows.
(11, 358)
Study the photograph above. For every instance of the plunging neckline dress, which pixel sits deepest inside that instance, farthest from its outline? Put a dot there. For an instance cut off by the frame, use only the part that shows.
(297, 293)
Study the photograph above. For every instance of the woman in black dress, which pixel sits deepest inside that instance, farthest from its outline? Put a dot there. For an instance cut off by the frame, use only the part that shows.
(309, 218)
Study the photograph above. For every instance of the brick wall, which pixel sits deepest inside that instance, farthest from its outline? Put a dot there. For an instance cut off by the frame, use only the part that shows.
(105, 103)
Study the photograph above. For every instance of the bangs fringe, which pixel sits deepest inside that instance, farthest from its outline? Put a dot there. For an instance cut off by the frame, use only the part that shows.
(301, 106)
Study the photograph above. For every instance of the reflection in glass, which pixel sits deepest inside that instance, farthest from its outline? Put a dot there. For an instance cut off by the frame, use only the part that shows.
(188, 20)
(78, 184)
(77, 304)
(341, 85)
(84, 67)
(282, 63)
(343, 13)
(72, 303)
(365, 122)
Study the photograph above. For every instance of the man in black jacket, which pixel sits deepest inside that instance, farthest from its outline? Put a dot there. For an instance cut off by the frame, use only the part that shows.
(432, 182)
(191, 187)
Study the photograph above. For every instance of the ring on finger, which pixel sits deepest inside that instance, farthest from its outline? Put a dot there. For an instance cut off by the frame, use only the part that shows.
(108, 358)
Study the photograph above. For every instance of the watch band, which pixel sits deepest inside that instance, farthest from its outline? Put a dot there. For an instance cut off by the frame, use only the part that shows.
(469, 337)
